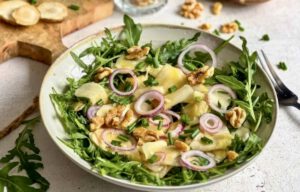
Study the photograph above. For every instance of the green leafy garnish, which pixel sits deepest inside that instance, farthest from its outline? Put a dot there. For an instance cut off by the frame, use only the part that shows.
(241, 28)
(74, 7)
(132, 31)
(265, 37)
(172, 89)
(206, 141)
(122, 100)
(152, 159)
(281, 65)
(123, 137)
(170, 139)
(151, 81)
(33, 2)
(116, 143)
(216, 32)
(29, 160)
(185, 119)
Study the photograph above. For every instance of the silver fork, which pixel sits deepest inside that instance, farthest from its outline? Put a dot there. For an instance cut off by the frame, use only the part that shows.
(285, 95)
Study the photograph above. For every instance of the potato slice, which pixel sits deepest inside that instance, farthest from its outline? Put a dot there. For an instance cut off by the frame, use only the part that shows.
(7, 7)
(26, 15)
(53, 11)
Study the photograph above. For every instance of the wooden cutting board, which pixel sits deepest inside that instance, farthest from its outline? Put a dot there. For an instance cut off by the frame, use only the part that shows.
(43, 41)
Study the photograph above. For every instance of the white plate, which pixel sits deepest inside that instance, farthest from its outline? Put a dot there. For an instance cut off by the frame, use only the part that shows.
(65, 67)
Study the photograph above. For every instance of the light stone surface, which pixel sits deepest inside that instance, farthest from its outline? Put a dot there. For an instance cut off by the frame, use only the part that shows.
(278, 167)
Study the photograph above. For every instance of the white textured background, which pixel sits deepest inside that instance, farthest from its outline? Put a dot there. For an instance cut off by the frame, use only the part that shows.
(277, 169)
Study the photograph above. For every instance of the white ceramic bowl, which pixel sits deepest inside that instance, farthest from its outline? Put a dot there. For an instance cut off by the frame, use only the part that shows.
(65, 67)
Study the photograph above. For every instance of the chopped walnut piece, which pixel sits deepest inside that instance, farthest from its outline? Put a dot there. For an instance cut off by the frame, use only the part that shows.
(113, 116)
(199, 76)
(101, 73)
(142, 3)
(191, 9)
(127, 119)
(96, 123)
(146, 135)
(229, 27)
(181, 146)
(232, 155)
(137, 52)
(216, 8)
(205, 26)
(236, 116)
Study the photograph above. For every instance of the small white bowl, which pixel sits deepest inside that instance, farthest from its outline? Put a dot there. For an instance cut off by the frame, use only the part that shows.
(65, 67)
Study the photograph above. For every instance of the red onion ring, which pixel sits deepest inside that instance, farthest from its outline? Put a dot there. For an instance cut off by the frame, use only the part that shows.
(123, 71)
(223, 88)
(117, 148)
(195, 153)
(175, 132)
(172, 114)
(92, 110)
(146, 96)
(205, 125)
(195, 46)
(166, 120)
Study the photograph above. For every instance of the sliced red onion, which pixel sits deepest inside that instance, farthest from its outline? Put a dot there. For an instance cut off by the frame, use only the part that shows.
(166, 120)
(91, 112)
(184, 160)
(210, 123)
(149, 95)
(175, 132)
(172, 114)
(118, 132)
(123, 71)
(193, 47)
(212, 91)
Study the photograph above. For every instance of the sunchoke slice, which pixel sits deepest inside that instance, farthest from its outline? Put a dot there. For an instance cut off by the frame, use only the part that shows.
(7, 7)
(53, 11)
(26, 15)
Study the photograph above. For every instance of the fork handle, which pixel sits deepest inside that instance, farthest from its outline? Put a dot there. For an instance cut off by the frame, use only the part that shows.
(297, 105)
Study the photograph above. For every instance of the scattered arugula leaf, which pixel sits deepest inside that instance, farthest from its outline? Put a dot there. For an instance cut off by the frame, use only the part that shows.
(29, 161)
(216, 32)
(241, 28)
(265, 37)
(282, 65)
(132, 31)
(172, 89)
(151, 81)
(120, 99)
(185, 119)
(33, 2)
(152, 159)
(206, 141)
(74, 7)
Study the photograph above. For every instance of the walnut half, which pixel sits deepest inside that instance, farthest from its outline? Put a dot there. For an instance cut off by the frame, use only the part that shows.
(101, 73)
(236, 116)
(199, 76)
(191, 9)
(145, 134)
(181, 146)
(137, 52)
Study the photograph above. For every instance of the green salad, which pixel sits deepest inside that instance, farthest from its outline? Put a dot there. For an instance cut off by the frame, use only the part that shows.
(163, 116)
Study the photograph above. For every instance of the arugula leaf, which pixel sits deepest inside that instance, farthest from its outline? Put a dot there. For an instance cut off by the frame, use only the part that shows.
(231, 82)
(241, 28)
(74, 7)
(29, 161)
(132, 31)
(120, 100)
(169, 51)
(33, 2)
(265, 37)
(216, 32)
(151, 81)
(79, 61)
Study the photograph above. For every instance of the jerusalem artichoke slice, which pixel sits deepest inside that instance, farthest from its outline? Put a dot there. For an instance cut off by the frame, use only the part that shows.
(26, 15)
(53, 11)
(7, 7)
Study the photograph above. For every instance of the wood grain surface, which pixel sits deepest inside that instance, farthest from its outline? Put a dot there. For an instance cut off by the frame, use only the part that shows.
(42, 42)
